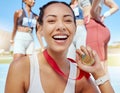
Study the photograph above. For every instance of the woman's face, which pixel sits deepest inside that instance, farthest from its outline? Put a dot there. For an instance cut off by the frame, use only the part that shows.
(30, 2)
(58, 26)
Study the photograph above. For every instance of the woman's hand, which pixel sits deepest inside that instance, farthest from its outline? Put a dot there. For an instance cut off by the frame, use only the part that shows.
(96, 68)
(87, 19)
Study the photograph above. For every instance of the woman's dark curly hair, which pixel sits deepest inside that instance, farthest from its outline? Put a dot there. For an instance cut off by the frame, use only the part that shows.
(42, 10)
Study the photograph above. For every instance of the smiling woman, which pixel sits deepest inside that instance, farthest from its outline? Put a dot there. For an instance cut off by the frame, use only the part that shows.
(58, 29)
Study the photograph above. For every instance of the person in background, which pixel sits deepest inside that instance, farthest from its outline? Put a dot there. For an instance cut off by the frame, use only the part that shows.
(85, 5)
(41, 72)
(98, 35)
(24, 24)
(80, 35)
(97, 8)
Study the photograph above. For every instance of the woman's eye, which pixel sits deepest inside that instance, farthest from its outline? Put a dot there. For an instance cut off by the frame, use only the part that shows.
(51, 21)
(68, 20)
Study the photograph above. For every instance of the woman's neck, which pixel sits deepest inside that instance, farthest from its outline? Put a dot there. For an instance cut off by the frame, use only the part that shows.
(60, 58)
(28, 10)
(59, 63)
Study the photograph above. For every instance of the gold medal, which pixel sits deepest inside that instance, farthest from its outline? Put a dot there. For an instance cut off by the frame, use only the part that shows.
(87, 60)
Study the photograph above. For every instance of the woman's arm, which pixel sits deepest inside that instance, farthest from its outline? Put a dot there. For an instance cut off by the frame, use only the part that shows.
(16, 14)
(113, 8)
(96, 69)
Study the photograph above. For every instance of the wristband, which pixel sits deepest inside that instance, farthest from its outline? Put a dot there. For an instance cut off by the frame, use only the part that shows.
(106, 14)
(102, 80)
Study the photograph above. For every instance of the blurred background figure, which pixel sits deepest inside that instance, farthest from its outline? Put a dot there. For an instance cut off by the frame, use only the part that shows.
(97, 6)
(98, 35)
(24, 23)
(80, 35)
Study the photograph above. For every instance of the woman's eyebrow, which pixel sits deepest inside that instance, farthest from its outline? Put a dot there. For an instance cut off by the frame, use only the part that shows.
(67, 15)
(51, 16)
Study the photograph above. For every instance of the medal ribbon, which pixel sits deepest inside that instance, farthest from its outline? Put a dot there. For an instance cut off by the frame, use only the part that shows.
(53, 64)
(29, 18)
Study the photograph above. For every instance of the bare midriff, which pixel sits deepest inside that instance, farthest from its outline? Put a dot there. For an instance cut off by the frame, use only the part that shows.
(23, 29)
(80, 22)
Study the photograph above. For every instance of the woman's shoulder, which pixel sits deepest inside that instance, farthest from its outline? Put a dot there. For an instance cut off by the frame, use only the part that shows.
(18, 73)
(18, 12)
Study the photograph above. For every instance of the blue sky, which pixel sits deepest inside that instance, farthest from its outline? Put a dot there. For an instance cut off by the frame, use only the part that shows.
(7, 9)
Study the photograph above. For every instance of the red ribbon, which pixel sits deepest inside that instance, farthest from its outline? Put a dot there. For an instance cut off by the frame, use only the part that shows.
(53, 64)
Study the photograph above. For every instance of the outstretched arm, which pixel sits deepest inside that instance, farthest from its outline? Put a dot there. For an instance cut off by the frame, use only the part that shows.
(113, 8)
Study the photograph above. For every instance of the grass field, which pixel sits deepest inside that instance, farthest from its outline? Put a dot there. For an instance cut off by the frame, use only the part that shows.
(5, 61)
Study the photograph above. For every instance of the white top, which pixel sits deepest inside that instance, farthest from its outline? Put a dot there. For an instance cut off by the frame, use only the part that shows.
(84, 3)
(35, 83)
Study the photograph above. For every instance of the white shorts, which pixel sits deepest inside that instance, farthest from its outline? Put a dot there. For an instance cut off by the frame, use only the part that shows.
(24, 43)
(78, 40)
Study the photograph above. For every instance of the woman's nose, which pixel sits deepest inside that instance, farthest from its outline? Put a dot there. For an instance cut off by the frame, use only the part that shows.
(61, 26)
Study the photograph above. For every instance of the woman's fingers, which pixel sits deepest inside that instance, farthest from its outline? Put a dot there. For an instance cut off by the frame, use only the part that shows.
(85, 55)
(88, 60)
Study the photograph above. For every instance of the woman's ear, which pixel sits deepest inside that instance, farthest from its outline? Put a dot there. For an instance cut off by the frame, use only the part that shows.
(39, 27)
